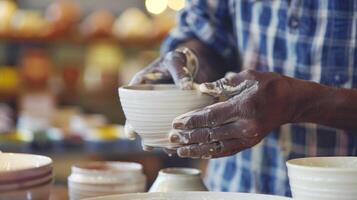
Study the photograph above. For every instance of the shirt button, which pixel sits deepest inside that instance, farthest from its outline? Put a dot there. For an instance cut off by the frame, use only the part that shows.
(294, 22)
(337, 77)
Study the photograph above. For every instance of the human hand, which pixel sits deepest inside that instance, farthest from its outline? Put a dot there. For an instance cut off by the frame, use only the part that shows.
(255, 103)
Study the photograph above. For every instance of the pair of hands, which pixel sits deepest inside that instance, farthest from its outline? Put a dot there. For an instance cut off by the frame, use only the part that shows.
(252, 104)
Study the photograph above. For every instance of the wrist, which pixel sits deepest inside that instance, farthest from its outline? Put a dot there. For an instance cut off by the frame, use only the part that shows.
(312, 102)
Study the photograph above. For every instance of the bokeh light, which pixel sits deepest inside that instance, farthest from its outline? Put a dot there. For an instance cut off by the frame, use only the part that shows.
(156, 6)
(176, 4)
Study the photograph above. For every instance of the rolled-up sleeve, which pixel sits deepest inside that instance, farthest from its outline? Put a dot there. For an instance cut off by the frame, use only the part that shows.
(209, 21)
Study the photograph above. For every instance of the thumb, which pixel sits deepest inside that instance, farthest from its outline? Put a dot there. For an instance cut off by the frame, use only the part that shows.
(129, 131)
(183, 66)
(232, 84)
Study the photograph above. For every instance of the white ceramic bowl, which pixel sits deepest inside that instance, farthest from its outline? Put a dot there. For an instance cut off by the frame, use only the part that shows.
(177, 180)
(104, 178)
(150, 109)
(26, 183)
(18, 166)
(99, 173)
(38, 192)
(323, 178)
(191, 196)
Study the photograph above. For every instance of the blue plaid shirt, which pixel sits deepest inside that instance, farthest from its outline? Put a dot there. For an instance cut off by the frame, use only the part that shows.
(306, 39)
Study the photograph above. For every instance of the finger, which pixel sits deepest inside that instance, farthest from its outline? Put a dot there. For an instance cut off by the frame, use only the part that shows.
(241, 129)
(212, 150)
(201, 135)
(129, 131)
(177, 65)
(210, 116)
(199, 150)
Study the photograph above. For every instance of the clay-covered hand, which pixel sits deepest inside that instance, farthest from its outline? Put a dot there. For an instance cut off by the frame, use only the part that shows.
(254, 103)
(179, 66)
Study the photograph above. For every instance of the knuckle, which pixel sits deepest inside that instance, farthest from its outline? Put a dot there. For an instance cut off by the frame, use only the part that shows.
(199, 135)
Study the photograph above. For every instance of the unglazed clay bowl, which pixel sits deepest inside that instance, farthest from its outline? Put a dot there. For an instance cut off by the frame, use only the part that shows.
(323, 178)
(191, 196)
(17, 167)
(177, 180)
(103, 178)
(150, 109)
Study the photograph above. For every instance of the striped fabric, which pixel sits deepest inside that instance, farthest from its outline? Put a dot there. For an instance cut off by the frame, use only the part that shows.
(306, 39)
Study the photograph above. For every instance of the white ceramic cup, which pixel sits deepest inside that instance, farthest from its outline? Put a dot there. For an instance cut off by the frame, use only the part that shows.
(150, 109)
(178, 179)
(323, 178)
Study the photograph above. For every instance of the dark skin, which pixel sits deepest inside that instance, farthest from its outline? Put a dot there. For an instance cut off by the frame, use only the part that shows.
(254, 104)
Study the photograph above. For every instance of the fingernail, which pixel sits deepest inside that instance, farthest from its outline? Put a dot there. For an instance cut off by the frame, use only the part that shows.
(178, 125)
(175, 138)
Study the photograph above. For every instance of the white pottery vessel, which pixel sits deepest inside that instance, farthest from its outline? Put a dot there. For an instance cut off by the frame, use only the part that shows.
(191, 196)
(323, 178)
(150, 109)
(103, 178)
(21, 167)
(178, 179)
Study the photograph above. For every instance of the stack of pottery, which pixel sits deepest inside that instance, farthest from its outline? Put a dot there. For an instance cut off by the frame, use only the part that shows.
(150, 109)
(25, 176)
(104, 178)
(323, 178)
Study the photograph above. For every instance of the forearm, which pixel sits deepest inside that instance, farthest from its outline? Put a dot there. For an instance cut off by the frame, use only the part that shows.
(212, 65)
(334, 107)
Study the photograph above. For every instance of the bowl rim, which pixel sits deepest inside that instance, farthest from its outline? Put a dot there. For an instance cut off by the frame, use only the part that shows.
(290, 164)
(172, 88)
(111, 167)
(200, 193)
(180, 172)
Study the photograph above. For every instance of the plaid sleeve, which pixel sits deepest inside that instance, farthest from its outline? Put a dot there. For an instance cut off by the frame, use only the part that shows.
(208, 21)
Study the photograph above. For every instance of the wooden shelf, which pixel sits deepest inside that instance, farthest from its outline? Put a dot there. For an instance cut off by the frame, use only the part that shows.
(80, 40)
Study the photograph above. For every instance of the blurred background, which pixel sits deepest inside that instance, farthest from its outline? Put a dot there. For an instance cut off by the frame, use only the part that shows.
(61, 63)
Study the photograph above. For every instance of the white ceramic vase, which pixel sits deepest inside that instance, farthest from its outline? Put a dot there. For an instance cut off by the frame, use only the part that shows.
(178, 179)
